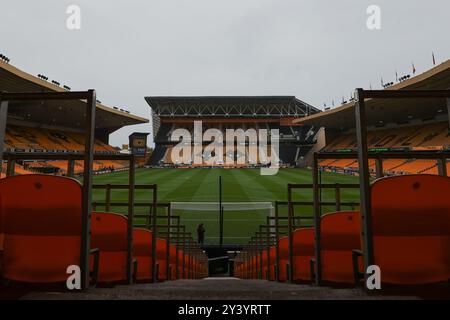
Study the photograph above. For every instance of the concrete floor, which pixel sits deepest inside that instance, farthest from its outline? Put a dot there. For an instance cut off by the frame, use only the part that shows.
(216, 289)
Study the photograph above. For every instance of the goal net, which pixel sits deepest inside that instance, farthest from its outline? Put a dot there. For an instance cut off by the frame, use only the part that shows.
(240, 219)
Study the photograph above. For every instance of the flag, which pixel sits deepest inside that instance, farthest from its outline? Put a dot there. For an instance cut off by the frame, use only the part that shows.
(413, 68)
(434, 58)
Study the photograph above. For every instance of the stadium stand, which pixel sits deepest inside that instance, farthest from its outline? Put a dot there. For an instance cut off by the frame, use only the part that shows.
(426, 137)
(411, 124)
(51, 128)
(25, 139)
(222, 113)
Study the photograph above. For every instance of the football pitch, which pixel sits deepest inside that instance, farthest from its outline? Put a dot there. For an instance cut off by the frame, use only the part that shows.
(238, 185)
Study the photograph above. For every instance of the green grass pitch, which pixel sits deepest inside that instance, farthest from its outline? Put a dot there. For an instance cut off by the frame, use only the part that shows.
(238, 185)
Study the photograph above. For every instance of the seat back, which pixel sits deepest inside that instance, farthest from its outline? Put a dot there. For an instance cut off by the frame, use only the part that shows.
(303, 252)
(2, 235)
(283, 247)
(180, 263)
(173, 261)
(411, 228)
(109, 234)
(173, 254)
(268, 253)
(142, 252)
(41, 221)
(340, 234)
(272, 253)
(161, 258)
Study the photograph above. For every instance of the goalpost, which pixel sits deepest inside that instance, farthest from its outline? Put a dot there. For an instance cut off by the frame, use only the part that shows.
(225, 222)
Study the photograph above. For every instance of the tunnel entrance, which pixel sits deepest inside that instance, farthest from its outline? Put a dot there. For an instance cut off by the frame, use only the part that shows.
(221, 259)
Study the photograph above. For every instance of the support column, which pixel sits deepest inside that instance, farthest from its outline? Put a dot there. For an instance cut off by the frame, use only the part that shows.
(87, 188)
(317, 227)
(379, 167)
(442, 166)
(10, 168)
(71, 168)
(364, 179)
(3, 117)
(131, 194)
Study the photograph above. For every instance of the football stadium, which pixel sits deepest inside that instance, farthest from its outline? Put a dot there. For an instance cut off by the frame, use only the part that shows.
(227, 196)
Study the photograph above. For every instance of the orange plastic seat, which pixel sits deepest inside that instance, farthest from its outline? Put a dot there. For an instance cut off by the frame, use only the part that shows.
(2, 236)
(238, 271)
(411, 228)
(303, 252)
(161, 258)
(283, 247)
(340, 235)
(41, 221)
(254, 268)
(142, 251)
(264, 264)
(180, 264)
(173, 261)
(272, 253)
(109, 234)
(187, 266)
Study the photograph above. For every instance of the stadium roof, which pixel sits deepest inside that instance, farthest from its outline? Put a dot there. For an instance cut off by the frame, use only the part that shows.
(382, 111)
(230, 106)
(71, 115)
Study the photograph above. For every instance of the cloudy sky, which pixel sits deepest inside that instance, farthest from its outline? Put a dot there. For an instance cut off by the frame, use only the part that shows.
(317, 50)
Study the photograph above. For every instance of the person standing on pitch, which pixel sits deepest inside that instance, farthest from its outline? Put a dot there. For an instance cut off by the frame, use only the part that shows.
(201, 233)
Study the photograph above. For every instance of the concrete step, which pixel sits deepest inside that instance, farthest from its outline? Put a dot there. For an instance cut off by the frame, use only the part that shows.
(216, 289)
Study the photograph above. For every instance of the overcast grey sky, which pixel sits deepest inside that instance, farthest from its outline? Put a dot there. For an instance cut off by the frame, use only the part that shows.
(317, 50)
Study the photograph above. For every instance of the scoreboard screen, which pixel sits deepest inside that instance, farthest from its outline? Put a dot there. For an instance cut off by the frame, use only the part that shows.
(138, 144)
